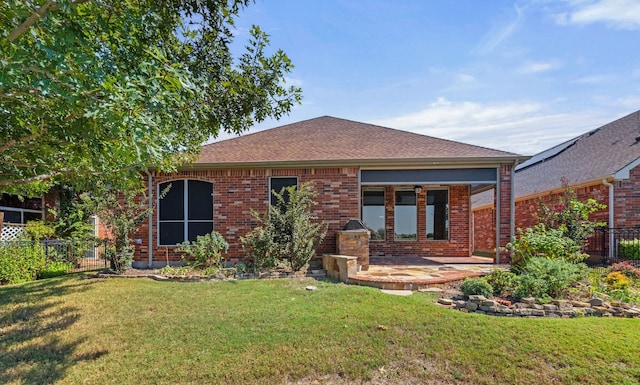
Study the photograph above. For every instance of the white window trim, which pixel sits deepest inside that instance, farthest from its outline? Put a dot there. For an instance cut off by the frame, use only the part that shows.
(185, 207)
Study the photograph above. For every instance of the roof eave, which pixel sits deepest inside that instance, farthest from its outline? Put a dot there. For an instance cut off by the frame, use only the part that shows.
(366, 163)
(623, 173)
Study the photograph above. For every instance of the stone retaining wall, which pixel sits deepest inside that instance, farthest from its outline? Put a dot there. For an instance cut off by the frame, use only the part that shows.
(530, 309)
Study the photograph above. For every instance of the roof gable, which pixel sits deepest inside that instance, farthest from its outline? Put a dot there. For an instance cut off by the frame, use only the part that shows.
(597, 154)
(332, 139)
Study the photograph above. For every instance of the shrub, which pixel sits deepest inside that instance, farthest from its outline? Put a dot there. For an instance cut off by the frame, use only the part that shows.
(502, 281)
(627, 269)
(21, 261)
(476, 286)
(38, 230)
(629, 248)
(540, 241)
(545, 278)
(289, 234)
(206, 251)
(617, 280)
(571, 216)
(55, 269)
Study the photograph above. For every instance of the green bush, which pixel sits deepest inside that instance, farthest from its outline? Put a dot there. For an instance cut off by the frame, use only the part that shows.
(290, 233)
(55, 269)
(629, 248)
(21, 261)
(502, 281)
(545, 278)
(540, 241)
(476, 286)
(206, 251)
(38, 230)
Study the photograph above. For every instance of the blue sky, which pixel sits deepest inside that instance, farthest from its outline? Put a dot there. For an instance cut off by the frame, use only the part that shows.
(518, 76)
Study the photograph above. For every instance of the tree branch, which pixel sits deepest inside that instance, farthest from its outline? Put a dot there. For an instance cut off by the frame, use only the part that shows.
(49, 5)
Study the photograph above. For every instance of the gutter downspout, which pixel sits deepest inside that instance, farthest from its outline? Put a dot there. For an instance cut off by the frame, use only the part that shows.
(150, 218)
(497, 202)
(611, 215)
(512, 205)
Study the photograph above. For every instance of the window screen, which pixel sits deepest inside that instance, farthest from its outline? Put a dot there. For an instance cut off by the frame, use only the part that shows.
(185, 212)
(277, 184)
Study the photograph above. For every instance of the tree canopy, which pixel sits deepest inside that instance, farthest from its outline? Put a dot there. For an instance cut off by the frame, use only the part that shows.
(101, 89)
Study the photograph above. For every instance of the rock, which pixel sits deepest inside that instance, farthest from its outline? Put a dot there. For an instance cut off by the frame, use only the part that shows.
(537, 313)
(522, 312)
(431, 290)
(520, 305)
(477, 298)
(630, 313)
(537, 306)
(600, 310)
(563, 304)
(311, 288)
(445, 301)
(488, 303)
(489, 309)
(472, 306)
(529, 300)
(596, 302)
(549, 307)
(580, 304)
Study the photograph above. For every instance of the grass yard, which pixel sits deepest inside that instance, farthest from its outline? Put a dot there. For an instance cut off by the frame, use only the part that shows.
(75, 330)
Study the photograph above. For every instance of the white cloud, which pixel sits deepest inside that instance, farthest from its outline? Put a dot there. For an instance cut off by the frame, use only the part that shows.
(465, 78)
(618, 14)
(520, 127)
(537, 67)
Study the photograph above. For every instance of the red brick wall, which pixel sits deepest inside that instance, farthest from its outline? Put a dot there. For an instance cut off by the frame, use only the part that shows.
(484, 231)
(459, 223)
(526, 210)
(236, 192)
(627, 200)
(505, 209)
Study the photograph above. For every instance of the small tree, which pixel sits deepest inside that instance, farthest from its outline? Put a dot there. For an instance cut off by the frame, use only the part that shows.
(290, 233)
(122, 213)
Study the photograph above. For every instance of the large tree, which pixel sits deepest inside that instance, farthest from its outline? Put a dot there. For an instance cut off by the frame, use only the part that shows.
(101, 89)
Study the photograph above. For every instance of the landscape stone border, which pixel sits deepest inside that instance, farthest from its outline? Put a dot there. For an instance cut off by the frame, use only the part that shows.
(221, 276)
(529, 308)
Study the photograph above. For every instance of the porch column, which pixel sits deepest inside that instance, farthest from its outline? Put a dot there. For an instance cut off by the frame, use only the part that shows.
(503, 213)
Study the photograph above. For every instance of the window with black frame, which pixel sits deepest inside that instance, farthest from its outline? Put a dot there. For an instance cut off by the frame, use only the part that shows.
(405, 216)
(373, 213)
(277, 184)
(438, 214)
(185, 211)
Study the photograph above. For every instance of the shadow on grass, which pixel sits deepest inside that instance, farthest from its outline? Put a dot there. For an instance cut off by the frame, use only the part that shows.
(34, 347)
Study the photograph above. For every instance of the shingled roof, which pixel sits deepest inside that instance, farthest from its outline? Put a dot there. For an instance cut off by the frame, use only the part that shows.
(331, 140)
(601, 153)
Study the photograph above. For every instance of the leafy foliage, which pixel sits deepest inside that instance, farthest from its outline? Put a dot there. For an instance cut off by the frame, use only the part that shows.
(121, 212)
(206, 251)
(571, 216)
(96, 90)
(476, 286)
(502, 281)
(540, 241)
(55, 269)
(288, 234)
(627, 269)
(21, 261)
(629, 248)
(545, 278)
(38, 230)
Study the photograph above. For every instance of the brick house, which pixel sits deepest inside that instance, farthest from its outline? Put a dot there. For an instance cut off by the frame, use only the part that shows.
(603, 164)
(412, 191)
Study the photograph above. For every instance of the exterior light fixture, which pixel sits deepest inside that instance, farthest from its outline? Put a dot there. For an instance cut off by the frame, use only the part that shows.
(417, 189)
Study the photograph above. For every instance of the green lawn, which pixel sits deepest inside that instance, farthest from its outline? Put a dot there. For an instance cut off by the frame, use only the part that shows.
(74, 330)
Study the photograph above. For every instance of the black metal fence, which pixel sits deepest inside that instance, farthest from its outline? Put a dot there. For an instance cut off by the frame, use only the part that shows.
(611, 245)
(81, 255)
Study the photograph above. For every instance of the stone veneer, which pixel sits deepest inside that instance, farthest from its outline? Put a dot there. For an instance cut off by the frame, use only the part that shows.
(528, 307)
(354, 243)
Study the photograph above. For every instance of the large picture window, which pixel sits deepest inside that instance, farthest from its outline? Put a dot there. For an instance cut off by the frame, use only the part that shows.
(185, 211)
(438, 214)
(406, 216)
(373, 213)
(277, 184)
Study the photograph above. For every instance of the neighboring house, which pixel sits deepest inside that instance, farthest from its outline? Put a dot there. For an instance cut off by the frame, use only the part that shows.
(603, 164)
(412, 191)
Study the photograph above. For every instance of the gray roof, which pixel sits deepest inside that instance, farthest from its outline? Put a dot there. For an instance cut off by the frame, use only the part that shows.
(329, 139)
(595, 155)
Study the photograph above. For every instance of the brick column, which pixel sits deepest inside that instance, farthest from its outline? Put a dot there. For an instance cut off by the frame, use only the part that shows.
(504, 221)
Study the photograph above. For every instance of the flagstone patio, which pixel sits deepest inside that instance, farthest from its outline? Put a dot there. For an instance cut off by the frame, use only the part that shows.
(417, 273)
